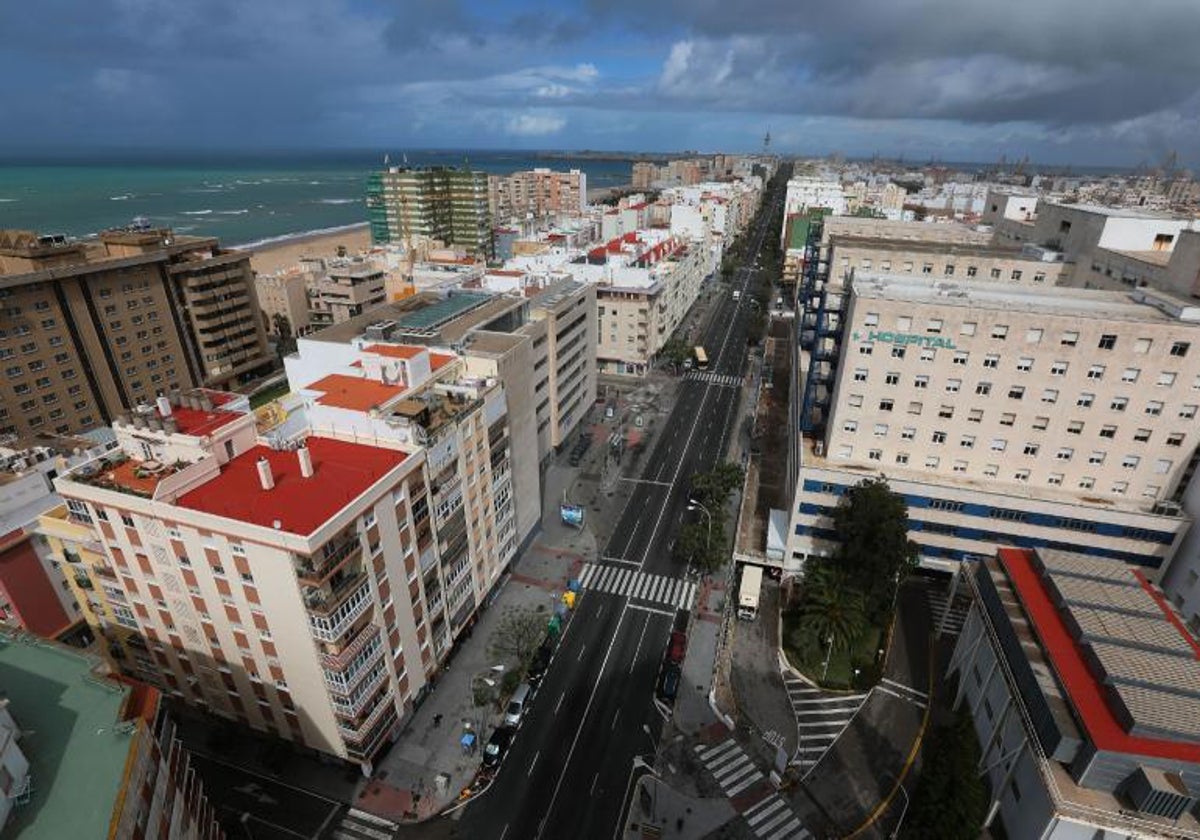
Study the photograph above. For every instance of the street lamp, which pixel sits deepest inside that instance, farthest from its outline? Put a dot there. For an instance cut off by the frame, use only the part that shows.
(828, 656)
(695, 505)
(490, 683)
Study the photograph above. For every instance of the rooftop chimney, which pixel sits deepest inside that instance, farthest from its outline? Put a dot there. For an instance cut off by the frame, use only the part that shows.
(306, 462)
(265, 476)
(164, 406)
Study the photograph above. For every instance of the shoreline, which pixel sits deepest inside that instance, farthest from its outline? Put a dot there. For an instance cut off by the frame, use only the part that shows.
(600, 193)
(276, 253)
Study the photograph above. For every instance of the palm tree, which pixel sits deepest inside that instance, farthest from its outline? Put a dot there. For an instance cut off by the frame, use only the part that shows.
(832, 612)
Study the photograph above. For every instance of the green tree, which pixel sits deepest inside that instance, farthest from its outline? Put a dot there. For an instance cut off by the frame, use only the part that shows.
(675, 351)
(832, 610)
(871, 523)
(950, 800)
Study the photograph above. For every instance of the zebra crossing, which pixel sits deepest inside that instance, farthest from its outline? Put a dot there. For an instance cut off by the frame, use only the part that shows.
(958, 610)
(723, 379)
(359, 825)
(729, 765)
(820, 718)
(638, 585)
(773, 819)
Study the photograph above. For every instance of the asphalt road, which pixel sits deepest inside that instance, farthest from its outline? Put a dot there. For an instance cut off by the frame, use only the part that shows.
(569, 771)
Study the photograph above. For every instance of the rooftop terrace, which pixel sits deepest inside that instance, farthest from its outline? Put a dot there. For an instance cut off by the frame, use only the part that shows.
(73, 737)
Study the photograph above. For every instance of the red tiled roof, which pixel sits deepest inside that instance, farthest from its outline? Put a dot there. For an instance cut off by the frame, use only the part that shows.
(1085, 692)
(394, 351)
(200, 423)
(439, 360)
(343, 472)
(341, 391)
(29, 592)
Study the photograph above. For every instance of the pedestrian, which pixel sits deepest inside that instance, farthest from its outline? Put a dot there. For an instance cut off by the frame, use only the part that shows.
(437, 721)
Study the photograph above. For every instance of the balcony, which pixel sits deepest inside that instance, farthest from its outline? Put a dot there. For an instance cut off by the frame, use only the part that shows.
(343, 682)
(329, 627)
(368, 738)
(314, 571)
(325, 599)
(343, 656)
(360, 698)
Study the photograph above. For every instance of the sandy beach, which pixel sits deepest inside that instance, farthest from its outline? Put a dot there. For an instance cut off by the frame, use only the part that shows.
(273, 256)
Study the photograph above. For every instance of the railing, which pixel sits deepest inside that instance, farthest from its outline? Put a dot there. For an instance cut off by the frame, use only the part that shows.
(329, 596)
(338, 661)
(317, 570)
(330, 628)
(343, 682)
(352, 707)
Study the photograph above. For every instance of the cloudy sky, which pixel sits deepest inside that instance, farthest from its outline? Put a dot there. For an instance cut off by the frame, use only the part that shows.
(1071, 81)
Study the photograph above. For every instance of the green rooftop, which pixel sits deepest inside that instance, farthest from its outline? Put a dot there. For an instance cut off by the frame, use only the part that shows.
(72, 736)
(439, 312)
(797, 233)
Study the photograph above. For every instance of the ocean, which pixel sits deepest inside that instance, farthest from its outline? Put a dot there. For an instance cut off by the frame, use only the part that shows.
(242, 200)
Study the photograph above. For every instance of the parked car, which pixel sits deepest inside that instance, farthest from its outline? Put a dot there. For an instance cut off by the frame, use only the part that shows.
(497, 746)
(677, 647)
(668, 683)
(517, 705)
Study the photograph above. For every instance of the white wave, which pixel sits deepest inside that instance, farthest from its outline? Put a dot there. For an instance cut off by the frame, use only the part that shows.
(183, 228)
(125, 197)
(232, 212)
(248, 183)
(314, 183)
(338, 200)
(288, 237)
(8, 200)
(196, 212)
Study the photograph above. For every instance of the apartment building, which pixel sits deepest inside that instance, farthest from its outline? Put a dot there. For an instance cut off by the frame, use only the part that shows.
(944, 233)
(283, 300)
(88, 331)
(84, 754)
(538, 193)
(1007, 204)
(1005, 416)
(35, 595)
(450, 205)
(346, 289)
(495, 337)
(643, 293)
(1082, 684)
(946, 261)
(308, 584)
(809, 192)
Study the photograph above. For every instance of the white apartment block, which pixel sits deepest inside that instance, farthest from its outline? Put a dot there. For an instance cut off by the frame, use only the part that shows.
(1007, 415)
(1006, 204)
(308, 585)
(810, 192)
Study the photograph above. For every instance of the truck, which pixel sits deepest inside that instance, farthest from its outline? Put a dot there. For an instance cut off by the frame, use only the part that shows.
(748, 593)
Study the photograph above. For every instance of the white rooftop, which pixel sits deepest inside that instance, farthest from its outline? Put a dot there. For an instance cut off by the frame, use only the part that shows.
(1140, 305)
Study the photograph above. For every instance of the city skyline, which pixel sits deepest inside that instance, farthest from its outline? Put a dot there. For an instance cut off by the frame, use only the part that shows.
(919, 80)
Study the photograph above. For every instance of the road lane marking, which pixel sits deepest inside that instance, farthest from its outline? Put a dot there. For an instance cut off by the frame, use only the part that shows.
(581, 650)
(638, 649)
(504, 833)
(643, 608)
(616, 715)
(579, 731)
(535, 758)
(595, 779)
(561, 698)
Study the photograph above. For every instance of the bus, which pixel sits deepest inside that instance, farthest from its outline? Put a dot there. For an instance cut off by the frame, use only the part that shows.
(701, 358)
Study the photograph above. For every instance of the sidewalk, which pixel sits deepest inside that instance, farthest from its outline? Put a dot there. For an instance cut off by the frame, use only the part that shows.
(427, 769)
(658, 807)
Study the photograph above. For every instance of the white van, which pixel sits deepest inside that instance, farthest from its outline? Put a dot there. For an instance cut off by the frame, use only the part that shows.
(737, 295)
(516, 706)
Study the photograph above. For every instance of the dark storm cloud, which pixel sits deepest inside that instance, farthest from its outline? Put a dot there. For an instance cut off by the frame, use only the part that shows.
(626, 73)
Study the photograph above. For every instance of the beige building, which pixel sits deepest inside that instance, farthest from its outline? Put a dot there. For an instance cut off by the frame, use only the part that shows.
(944, 261)
(307, 584)
(1006, 415)
(638, 309)
(944, 233)
(87, 331)
(346, 289)
(539, 193)
(284, 295)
